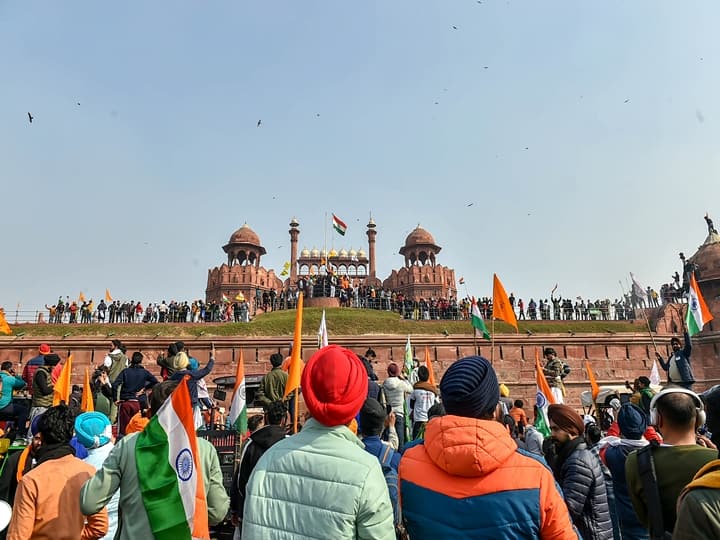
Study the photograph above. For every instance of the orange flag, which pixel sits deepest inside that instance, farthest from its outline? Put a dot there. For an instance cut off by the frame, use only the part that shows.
(296, 365)
(87, 398)
(593, 383)
(4, 326)
(81, 298)
(108, 298)
(542, 384)
(428, 363)
(63, 386)
(502, 310)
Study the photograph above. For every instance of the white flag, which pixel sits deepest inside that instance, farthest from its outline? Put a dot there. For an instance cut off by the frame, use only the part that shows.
(654, 374)
(322, 332)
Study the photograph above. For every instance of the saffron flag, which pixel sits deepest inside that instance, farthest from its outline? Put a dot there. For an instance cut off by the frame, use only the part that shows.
(238, 406)
(502, 310)
(339, 225)
(543, 399)
(63, 385)
(698, 314)
(81, 298)
(4, 326)
(408, 365)
(428, 364)
(108, 298)
(593, 383)
(87, 404)
(477, 321)
(169, 472)
(322, 332)
(296, 363)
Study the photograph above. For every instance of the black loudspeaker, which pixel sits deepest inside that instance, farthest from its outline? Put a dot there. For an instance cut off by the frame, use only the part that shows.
(220, 395)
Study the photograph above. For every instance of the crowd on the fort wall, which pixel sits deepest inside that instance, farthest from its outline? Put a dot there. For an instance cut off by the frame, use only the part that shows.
(241, 309)
(399, 458)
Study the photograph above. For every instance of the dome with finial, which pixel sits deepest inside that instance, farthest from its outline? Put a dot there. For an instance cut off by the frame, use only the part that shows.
(419, 236)
(343, 252)
(333, 253)
(315, 252)
(707, 257)
(245, 235)
(305, 252)
(353, 253)
(361, 253)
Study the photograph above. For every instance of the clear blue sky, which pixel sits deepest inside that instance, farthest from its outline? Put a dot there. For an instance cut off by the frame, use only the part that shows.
(137, 188)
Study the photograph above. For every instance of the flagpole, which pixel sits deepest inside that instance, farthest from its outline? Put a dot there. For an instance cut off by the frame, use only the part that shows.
(647, 322)
(295, 413)
(492, 342)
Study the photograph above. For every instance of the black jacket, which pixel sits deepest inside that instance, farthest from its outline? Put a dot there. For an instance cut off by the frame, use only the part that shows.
(583, 485)
(131, 381)
(259, 442)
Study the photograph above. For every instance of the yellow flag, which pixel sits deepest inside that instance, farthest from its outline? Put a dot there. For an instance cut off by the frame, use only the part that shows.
(502, 310)
(593, 383)
(296, 365)
(63, 386)
(108, 298)
(87, 398)
(81, 298)
(4, 326)
(428, 363)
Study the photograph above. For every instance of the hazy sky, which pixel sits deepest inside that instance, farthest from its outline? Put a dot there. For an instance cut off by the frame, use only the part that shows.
(584, 133)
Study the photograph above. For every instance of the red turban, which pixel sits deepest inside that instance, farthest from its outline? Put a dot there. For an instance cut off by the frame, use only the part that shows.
(334, 385)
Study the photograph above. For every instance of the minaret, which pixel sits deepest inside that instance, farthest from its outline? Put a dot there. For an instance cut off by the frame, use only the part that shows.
(371, 233)
(294, 233)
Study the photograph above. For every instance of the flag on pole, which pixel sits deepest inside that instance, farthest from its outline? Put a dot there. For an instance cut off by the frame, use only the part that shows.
(4, 326)
(170, 472)
(543, 399)
(225, 299)
(339, 225)
(698, 314)
(654, 375)
(63, 385)
(81, 297)
(238, 406)
(296, 363)
(408, 357)
(108, 298)
(428, 364)
(593, 383)
(477, 321)
(87, 404)
(322, 332)
(502, 310)
(637, 288)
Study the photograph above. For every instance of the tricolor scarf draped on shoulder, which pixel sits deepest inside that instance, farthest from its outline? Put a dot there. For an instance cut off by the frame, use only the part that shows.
(168, 466)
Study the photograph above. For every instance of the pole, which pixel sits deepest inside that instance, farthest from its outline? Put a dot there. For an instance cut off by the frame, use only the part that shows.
(492, 342)
(295, 413)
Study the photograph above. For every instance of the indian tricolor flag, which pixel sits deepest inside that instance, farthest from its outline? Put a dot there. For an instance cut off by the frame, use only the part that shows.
(339, 225)
(238, 407)
(698, 313)
(477, 320)
(225, 299)
(543, 399)
(169, 472)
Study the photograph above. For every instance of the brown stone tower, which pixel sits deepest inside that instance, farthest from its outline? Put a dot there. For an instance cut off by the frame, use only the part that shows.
(371, 233)
(294, 234)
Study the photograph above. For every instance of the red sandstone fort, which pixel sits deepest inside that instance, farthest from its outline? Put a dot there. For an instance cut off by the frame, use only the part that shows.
(614, 357)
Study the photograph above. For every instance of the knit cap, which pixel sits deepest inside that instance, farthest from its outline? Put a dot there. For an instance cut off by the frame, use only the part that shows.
(334, 385)
(632, 421)
(93, 429)
(470, 388)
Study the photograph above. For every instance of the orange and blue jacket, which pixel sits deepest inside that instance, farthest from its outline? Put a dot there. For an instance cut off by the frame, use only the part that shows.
(469, 480)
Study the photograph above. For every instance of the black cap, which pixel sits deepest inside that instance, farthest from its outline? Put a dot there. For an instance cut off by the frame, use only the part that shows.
(372, 417)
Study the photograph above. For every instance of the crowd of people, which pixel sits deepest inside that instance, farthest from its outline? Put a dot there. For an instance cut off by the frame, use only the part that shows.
(242, 309)
(397, 458)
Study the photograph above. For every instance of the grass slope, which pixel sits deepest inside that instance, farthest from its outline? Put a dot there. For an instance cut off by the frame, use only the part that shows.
(341, 322)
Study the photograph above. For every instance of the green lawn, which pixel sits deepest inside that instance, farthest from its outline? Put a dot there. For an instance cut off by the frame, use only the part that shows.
(343, 322)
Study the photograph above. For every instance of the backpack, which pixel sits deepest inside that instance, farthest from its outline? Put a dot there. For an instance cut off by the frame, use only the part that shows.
(393, 484)
(565, 370)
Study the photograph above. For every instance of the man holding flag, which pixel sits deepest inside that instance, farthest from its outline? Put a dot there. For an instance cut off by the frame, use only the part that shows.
(678, 365)
(170, 481)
